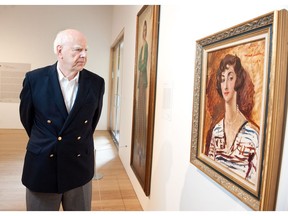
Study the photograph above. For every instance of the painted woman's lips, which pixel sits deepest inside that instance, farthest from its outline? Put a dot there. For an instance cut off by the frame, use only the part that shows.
(226, 93)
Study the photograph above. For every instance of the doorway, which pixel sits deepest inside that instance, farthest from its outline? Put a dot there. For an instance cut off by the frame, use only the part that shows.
(115, 93)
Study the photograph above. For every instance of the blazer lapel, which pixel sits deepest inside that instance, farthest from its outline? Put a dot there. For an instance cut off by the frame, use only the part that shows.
(83, 89)
(57, 93)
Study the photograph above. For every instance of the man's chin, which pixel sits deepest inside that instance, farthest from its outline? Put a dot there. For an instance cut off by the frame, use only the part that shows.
(80, 68)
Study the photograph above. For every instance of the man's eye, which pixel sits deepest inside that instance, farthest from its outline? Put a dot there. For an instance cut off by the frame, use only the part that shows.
(79, 50)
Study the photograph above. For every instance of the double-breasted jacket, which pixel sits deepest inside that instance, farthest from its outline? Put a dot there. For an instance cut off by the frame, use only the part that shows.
(60, 149)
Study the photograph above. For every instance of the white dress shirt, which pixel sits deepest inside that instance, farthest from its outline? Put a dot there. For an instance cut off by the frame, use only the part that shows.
(69, 89)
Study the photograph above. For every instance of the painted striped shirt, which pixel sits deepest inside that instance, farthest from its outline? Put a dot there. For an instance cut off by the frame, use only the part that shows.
(242, 157)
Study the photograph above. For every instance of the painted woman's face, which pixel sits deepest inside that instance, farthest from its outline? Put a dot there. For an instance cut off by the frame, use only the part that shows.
(144, 31)
(228, 79)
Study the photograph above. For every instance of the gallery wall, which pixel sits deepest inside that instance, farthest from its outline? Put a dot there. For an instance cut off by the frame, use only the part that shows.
(27, 35)
(176, 184)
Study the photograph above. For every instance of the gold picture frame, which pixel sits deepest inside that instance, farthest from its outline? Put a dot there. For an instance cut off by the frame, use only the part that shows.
(238, 120)
(144, 94)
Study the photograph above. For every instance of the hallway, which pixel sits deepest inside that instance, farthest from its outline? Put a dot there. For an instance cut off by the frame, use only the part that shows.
(113, 192)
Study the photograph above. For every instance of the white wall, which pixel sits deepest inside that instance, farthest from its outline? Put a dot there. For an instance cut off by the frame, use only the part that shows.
(27, 35)
(176, 183)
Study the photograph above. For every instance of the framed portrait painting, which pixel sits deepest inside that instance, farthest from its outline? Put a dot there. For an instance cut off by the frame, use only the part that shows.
(239, 107)
(144, 93)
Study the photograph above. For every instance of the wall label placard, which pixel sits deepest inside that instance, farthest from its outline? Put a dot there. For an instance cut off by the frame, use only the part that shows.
(11, 78)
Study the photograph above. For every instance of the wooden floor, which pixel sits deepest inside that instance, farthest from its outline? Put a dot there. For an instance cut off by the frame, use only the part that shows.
(112, 192)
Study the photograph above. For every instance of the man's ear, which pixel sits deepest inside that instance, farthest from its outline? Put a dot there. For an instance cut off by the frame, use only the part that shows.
(59, 49)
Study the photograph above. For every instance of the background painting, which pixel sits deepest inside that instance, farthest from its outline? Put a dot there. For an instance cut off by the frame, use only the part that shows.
(144, 94)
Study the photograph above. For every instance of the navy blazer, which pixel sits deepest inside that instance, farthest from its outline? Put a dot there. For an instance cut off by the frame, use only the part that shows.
(60, 150)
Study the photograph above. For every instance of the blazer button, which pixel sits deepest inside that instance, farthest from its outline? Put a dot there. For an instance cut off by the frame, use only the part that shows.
(51, 155)
(86, 121)
(49, 121)
(79, 137)
(78, 155)
(59, 138)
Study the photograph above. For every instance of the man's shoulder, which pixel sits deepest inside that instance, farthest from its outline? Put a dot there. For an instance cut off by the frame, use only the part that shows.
(40, 71)
(91, 75)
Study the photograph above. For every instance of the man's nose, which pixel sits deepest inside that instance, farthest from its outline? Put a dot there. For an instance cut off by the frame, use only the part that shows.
(83, 54)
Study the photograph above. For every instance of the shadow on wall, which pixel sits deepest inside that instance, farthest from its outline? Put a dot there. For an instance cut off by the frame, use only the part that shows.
(162, 175)
(201, 193)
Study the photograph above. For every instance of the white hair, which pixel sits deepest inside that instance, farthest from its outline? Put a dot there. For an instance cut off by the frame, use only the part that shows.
(61, 38)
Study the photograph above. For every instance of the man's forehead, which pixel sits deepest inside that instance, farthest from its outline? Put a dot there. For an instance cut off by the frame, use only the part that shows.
(79, 46)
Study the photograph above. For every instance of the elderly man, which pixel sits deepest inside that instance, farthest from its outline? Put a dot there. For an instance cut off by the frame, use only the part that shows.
(60, 107)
